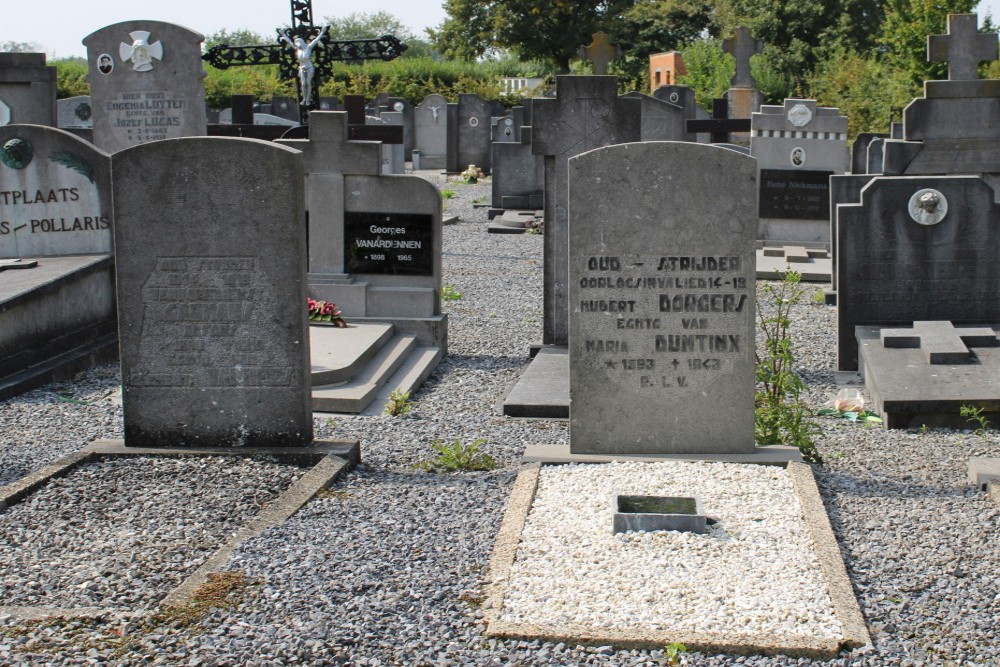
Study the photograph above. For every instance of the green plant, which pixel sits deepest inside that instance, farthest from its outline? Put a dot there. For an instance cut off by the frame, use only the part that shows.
(455, 456)
(974, 414)
(447, 194)
(398, 404)
(449, 293)
(673, 652)
(331, 422)
(923, 429)
(780, 416)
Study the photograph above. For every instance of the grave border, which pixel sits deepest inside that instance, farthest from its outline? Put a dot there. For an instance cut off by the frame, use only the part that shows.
(328, 458)
(825, 546)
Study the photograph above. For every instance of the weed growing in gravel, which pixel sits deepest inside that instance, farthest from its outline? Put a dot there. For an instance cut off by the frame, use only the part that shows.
(974, 414)
(673, 652)
(447, 194)
(399, 403)
(449, 293)
(780, 416)
(455, 456)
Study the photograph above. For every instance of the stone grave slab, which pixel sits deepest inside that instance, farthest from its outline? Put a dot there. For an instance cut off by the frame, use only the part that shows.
(916, 248)
(909, 391)
(212, 316)
(662, 309)
(75, 112)
(146, 83)
(27, 90)
(813, 264)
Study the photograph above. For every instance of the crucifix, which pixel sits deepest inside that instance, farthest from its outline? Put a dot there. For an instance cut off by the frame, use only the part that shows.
(963, 47)
(742, 46)
(302, 53)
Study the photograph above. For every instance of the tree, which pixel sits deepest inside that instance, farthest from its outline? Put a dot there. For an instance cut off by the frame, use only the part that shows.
(365, 25)
(709, 70)
(907, 25)
(19, 47)
(467, 33)
(655, 26)
(238, 37)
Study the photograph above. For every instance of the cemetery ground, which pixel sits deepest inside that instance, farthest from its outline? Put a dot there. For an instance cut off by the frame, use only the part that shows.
(387, 567)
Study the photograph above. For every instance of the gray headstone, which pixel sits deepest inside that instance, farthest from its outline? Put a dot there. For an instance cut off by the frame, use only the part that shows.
(518, 175)
(55, 194)
(393, 155)
(27, 90)
(402, 106)
(859, 151)
(586, 114)
(683, 96)
(75, 112)
(146, 83)
(212, 315)
(897, 265)
(502, 129)
(663, 302)
(661, 121)
(286, 108)
(431, 131)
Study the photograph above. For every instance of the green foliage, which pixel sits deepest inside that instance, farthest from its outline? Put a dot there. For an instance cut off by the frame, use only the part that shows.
(449, 293)
(19, 47)
(238, 37)
(447, 194)
(399, 403)
(364, 25)
(71, 77)
(673, 651)
(709, 70)
(974, 414)
(780, 416)
(904, 34)
(454, 456)
(863, 416)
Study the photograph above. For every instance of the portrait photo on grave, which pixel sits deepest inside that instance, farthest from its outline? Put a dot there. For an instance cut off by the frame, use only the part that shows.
(105, 63)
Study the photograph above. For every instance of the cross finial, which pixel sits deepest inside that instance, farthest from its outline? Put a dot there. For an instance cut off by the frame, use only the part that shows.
(600, 52)
(742, 45)
(963, 47)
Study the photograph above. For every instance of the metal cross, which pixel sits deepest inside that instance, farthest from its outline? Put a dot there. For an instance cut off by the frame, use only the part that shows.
(963, 47)
(322, 55)
(720, 124)
(742, 45)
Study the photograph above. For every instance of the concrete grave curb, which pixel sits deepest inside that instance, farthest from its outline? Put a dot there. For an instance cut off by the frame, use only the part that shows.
(329, 459)
(847, 610)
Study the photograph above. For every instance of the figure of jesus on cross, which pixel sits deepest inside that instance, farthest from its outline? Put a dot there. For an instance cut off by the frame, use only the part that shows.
(303, 53)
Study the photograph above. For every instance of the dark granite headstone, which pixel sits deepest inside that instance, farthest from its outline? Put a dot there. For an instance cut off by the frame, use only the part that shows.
(211, 266)
(789, 193)
(896, 265)
(473, 130)
(27, 90)
(662, 301)
(399, 244)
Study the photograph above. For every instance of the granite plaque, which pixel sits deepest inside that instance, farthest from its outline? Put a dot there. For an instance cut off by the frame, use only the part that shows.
(55, 194)
(796, 194)
(662, 301)
(399, 244)
(210, 246)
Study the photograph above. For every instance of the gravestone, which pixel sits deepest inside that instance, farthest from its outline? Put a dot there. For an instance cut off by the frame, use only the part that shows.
(55, 198)
(402, 106)
(952, 128)
(393, 155)
(600, 53)
(720, 124)
(683, 96)
(742, 97)
(27, 90)
(502, 129)
(860, 161)
(586, 114)
(146, 83)
(212, 314)
(798, 147)
(663, 304)
(431, 131)
(916, 248)
(75, 112)
(472, 131)
(286, 108)
(661, 121)
(58, 316)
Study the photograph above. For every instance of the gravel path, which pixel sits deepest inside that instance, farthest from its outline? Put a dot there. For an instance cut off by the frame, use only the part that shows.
(387, 569)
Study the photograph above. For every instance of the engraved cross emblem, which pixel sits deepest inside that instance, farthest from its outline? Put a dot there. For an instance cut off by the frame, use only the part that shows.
(963, 47)
(742, 46)
(140, 51)
(941, 341)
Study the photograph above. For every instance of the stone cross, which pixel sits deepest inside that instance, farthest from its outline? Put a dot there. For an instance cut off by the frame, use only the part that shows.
(600, 52)
(720, 124)
(963, 47)
(322, 54)
(742, 45)
(940, 340)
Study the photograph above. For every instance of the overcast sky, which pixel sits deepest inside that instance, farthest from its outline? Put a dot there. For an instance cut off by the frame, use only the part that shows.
(57, 26)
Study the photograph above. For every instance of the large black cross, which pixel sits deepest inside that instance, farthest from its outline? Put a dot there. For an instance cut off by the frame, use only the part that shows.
(386, 47)
(720, 124)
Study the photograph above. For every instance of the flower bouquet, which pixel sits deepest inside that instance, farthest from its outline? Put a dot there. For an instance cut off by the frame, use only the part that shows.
(325, 311)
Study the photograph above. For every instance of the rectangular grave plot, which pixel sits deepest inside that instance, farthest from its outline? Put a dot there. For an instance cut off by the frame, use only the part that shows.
(795, 194)
(399, 244)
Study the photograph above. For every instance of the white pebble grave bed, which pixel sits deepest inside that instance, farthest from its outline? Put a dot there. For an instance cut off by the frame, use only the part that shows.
(753, 572)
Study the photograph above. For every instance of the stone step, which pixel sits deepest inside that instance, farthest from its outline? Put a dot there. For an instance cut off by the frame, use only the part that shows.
(356, 394)
(337, 355)
(418, 367)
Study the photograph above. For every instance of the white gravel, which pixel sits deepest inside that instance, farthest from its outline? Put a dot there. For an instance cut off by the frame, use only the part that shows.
(388, 570)
(753, 572)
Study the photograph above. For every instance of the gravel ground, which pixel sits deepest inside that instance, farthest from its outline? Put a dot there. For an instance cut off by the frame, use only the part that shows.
(387, 568)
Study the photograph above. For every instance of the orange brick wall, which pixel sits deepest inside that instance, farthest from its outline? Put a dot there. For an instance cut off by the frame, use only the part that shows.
(664, 68)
